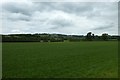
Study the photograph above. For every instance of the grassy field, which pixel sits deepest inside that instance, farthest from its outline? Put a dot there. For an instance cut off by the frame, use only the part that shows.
(60, 60)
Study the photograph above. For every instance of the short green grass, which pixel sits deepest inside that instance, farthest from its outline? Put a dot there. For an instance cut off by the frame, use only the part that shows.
(60, 60)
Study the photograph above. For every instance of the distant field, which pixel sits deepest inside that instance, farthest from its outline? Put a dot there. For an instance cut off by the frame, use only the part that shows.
(60, 60)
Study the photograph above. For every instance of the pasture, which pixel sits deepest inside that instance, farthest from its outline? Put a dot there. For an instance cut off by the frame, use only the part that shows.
(95, 59)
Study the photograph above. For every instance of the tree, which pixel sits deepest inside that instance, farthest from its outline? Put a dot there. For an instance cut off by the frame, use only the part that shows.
(105, 36)
(89, 36)
(93, 36)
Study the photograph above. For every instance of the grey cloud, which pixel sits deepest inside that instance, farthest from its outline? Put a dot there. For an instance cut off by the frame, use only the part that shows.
(68, 7)
(18, 17)
(88, 9)
(76, 7)
(18, 8)
(79, 8)
(104, 27)
(60, 23)
(45, 6)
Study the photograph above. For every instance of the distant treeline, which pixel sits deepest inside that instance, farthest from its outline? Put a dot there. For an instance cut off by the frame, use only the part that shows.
(56, 37)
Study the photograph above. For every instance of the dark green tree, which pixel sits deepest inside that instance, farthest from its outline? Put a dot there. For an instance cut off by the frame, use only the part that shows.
(93, 36)
(105, 36)
(89, 36)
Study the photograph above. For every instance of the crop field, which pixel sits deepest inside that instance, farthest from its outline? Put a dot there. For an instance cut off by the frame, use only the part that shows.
(95, 59)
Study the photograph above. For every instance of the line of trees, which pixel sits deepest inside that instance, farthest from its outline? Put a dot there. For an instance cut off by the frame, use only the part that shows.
(104, 36)
(56, 37)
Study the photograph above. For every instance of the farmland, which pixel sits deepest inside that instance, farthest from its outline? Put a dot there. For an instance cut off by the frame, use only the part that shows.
(88, 59)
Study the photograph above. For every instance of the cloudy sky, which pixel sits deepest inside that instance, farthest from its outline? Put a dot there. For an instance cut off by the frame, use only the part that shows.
(59, 17)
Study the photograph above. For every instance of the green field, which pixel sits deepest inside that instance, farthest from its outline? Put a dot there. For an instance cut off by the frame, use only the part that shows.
(60, 60)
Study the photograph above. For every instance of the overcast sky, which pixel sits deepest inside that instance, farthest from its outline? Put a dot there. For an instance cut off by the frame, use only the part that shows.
(60, 17)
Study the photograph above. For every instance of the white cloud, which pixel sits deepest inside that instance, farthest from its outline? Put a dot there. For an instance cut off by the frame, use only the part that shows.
(65, 17)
